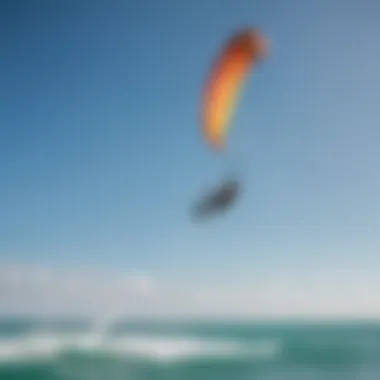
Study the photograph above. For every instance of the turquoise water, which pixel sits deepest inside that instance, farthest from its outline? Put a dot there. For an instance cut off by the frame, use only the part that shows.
(171, 351)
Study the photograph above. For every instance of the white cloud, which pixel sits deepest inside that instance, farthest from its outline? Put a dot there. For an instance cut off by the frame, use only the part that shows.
(34, 289)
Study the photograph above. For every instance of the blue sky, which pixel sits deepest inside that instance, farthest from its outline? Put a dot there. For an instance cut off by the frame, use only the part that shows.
(101, 154)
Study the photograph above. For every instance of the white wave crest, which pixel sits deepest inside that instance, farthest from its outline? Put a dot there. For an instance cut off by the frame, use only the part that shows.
(175, 349)
(156, 348)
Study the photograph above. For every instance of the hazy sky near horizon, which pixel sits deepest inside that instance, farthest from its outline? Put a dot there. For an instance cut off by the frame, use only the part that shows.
(101, 154)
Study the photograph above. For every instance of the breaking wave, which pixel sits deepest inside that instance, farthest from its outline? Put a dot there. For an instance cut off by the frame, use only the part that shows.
(40, 346)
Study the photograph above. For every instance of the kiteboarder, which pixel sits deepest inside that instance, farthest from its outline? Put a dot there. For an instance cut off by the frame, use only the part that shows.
(218, 200)
(242, 53)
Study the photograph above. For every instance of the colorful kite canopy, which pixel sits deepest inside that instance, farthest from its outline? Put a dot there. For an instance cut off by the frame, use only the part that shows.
(225, 83)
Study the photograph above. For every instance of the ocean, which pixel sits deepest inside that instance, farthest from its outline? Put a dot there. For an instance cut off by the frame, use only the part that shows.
(71, 350)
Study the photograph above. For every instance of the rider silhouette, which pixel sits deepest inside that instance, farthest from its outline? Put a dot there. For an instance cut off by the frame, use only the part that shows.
(219, 200)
